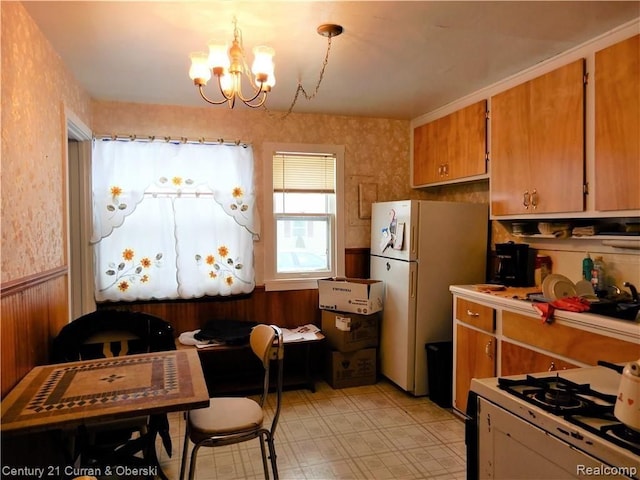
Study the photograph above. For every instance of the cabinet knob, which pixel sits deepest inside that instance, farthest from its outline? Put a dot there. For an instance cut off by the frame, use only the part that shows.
(534, 198)
(472, 314)
(552, 367)
(487, 349)
(526, 198)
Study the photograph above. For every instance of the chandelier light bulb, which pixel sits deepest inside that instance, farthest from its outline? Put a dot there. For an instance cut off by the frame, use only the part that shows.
(218, 57)
(199, 71)
(263, 67)
(227, 84)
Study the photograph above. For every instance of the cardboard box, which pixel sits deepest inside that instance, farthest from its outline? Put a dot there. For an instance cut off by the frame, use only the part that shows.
(348, 332)
(356, 295)
(352, 369)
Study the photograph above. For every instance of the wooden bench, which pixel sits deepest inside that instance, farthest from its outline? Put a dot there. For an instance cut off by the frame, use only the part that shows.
(233, 368)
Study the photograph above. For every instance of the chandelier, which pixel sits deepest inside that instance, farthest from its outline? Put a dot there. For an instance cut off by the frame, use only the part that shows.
(229, 67)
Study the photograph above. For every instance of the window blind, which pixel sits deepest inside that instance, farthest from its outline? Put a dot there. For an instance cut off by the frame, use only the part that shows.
(294, 172)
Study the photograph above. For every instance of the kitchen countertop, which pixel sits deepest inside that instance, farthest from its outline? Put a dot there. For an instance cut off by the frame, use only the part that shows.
(515, 299)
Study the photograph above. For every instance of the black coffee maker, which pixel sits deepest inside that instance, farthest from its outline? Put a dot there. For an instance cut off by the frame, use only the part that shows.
(516, 264)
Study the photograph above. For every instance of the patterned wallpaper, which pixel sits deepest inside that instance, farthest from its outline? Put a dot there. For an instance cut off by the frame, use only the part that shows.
(34, 156)
(376, 150)
(36, 90)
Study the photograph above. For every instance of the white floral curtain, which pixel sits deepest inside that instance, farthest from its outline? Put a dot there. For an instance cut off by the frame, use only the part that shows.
(172, 220)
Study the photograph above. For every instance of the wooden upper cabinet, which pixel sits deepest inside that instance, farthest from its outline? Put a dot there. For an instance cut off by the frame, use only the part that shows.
(537, 144)
(452, 147)
(617, 126)
(425, 163)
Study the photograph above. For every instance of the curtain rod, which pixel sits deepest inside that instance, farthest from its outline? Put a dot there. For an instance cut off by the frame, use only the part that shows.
(168, 139)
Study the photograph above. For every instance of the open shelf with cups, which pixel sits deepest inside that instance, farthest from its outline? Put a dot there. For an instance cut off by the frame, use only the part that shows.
(583, 228)
(619, 233)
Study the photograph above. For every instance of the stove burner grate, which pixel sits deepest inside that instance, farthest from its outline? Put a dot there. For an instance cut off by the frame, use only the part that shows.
(558, 395)
(615, 432)
(621, 431)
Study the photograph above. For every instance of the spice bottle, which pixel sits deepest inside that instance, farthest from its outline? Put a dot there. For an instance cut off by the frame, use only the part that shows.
(587, 267)
(598, 277)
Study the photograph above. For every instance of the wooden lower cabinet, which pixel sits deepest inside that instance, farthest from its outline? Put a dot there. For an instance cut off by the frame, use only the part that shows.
(581, 345)
(516, 360)
(485, 327)
(475, 358)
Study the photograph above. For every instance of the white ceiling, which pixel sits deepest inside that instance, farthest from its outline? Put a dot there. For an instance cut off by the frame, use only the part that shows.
(394, 59)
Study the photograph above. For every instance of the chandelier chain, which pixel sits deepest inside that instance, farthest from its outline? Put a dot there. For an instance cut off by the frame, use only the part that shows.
(300, 89)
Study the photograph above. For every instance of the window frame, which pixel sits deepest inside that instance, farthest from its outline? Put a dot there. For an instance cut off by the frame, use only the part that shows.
(305, 280)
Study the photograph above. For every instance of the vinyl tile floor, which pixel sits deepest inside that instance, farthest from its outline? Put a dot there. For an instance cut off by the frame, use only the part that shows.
(368, 432)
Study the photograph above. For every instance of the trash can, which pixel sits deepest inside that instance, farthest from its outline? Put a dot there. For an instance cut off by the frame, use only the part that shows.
(440, 372)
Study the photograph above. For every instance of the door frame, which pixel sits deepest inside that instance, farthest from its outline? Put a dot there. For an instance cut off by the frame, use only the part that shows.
(79, 253)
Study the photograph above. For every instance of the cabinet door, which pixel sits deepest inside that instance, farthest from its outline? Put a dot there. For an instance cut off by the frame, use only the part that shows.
(516, 360)
(581, 345)
(426, 166)
(475, 358)
(617, 131)
(537, 144)
(452, 147)
(467, 138)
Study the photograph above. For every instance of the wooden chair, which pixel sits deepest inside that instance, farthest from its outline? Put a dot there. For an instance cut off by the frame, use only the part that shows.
(112, 333)
(230, 420)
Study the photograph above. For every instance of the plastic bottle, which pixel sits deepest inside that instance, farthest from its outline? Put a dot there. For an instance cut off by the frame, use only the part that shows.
(587, 267)
(598, 277)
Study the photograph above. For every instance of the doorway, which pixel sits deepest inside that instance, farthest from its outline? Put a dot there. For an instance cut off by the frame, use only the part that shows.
(80, 286)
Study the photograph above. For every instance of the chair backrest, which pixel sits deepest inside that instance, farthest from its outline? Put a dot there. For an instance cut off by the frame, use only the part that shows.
(267, 344)
(111, 333)
(261, 341)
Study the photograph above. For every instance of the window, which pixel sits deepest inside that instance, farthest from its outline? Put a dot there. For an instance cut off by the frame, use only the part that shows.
(172, 220)
(305, 238)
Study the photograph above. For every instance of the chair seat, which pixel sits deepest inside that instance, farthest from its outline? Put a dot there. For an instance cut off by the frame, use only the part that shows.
(225, 416)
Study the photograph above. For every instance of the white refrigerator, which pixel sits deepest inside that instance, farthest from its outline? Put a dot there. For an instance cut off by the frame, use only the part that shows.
(418, 249)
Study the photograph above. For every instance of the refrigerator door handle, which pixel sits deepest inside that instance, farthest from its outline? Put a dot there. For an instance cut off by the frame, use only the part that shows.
(414, 244)
(412, 284)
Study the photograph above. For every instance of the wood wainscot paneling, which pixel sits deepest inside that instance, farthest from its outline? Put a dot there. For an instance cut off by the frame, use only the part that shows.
(288, 309)
(356, 262)
(34, 309)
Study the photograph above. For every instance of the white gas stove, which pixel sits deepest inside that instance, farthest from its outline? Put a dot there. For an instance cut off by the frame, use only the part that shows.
(550, 425)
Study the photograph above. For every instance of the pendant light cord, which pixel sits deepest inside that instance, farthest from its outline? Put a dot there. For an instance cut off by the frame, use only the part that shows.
(300, 89)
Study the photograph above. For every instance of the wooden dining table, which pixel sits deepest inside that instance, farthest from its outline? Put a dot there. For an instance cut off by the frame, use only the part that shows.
(71, 395)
